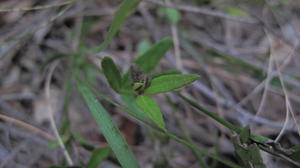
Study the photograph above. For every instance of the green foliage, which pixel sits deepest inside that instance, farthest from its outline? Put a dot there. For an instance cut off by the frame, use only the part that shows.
(152, 110)
(129, 100)
(98, 156)
(145, 107)
(245, 135)
(168, 72)
(112, 73)
(143, 46)
(55, 143)
(173, 15)
(83, 142)
(247, 153)
(124, 11)
(259, 138)
(139, 79)
(256, 138)
(214, 116)
(284, 1)
(295, 153)
(234, 11)
(168, 83)
(108, 128)
(147, 61)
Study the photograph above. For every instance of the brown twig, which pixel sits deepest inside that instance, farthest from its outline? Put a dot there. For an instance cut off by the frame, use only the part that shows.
(28, 127)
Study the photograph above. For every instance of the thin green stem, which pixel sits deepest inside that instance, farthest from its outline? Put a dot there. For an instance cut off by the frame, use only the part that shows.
(171, 135)
(211, 114)
(202, 151)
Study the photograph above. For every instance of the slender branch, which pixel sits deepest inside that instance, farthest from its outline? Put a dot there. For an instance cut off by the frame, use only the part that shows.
(51, 117)
(28, 127)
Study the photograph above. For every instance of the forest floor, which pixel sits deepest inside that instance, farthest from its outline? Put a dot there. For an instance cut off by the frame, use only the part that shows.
(247, 54)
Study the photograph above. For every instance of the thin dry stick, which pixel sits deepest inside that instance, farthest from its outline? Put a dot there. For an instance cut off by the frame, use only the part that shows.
(38, 7)
(51, 117)
(176, 46)
(267, 83)
(40, 26)
(176, 43)
(28, 127)
(286, 121)
(261, 85)
(289, 108)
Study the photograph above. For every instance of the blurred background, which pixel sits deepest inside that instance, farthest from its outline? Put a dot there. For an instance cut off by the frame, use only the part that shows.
(247, 53)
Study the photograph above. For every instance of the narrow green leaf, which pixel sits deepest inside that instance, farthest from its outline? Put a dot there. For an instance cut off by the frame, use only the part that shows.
(173, 15)
(203, 151)
(295, 153)
(143, 46)
(215, 116)
(54, 144)
(147, 61)
(108, 128)
(236, 12)
(284, 1)
(169, 72)
(83, 142)
(172, 136)
(245, 134)
(125, 10)
(248, 154)
(259, 138)
(227, 124)
(255, 156)
(129, 100)
(112, 73)
(167, 83)
(152, 110)
(98, 156)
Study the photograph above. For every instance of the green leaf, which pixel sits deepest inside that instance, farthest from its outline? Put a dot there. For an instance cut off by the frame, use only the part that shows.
(152, 110)
(255, 156)
(124, 11)
(284, 1)
(295, 153)
(248, 154)
(98, 156)
(129, 100)
(54, 166)
(147, 61)
(245, 134)
(167, 83)
(83, 142)
(236, 12)
(108, 128)
(259, 138)
(168, 72)
(54, 144)
(143, 46)
(222, 121)
(214, 116)
(173, 15)
(112, 73)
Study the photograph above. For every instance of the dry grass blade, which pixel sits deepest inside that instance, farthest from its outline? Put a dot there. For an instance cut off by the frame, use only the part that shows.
(38, 7)
(28, 127)
(51, 117)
